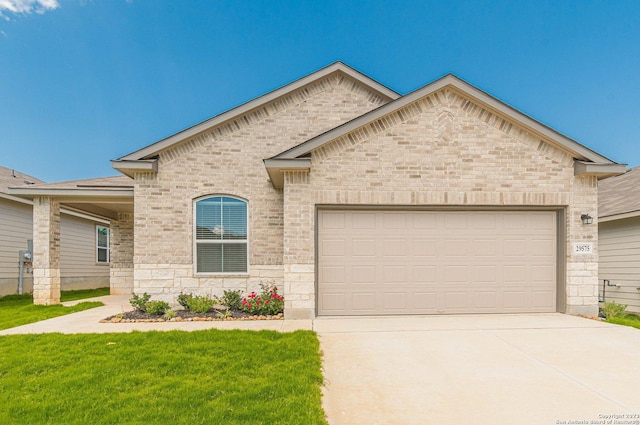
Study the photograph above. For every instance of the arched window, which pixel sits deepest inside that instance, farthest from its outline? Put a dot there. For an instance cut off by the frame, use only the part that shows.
(221, 235)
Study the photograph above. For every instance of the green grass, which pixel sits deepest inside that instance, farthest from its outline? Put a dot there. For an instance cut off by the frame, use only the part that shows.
(629, 320)
(201, 377)
(17, 310)
(80, 294)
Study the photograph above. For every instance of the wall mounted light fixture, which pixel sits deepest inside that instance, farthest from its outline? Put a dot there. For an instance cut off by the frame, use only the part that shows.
(586, 219)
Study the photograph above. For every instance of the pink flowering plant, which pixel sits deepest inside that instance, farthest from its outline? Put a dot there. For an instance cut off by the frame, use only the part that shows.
(267, 303)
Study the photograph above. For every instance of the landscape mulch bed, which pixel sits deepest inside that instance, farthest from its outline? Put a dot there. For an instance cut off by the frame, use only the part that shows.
(186, 316)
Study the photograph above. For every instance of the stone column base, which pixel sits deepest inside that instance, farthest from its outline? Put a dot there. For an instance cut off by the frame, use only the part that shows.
(46, 289)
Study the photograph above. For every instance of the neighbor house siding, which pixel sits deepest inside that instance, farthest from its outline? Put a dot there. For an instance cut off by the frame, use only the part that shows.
(78, 266)
(16, 227)
(227, 160)
(619, 242)
(443, 150)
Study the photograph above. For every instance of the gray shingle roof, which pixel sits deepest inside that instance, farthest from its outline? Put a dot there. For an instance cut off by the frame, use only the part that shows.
(13, 178)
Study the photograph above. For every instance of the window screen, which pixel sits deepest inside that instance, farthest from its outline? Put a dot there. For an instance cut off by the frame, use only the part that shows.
(221, 235)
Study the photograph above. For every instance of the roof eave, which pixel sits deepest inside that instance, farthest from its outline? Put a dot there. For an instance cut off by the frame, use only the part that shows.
(600, 170)
(130, 167)
(277, 167)
(115, 194)
(619, 216)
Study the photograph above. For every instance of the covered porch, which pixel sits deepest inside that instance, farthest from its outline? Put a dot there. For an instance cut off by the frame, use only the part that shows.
(109, 198)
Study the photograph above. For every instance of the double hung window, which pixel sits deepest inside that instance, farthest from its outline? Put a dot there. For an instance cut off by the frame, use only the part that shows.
(221, 235)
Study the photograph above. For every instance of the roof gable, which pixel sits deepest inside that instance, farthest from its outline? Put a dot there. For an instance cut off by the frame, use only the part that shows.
(465, 89)
(125, 163)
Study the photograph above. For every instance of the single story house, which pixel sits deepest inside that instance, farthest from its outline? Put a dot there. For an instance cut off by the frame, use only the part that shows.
(354, 200)
(84, 241)
(619, 239)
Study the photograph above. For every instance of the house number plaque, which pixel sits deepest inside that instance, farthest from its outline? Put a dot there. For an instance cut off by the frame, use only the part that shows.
(583, 248)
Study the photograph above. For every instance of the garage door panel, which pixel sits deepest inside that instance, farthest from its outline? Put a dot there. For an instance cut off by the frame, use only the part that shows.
(395, 247)
(424, 247)
(514, 247)
(333, 274)
(363, 220)
(333, 247)
(456, 248)
(485, 247)
(543, 299)
(394, 274)
(456, 301)
(455, 274)
(364, 302)
(333, 220)
(424, 274)
(363, 274)
(485, 274)
(394, 301)
(436, 262)
(363, 248)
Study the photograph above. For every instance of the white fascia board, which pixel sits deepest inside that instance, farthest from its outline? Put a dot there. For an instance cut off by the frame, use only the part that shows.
(277, 167)
(582, 168)
(84, 216)
(129, 167)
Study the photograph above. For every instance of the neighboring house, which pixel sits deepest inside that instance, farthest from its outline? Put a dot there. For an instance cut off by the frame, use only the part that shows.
(619, 239)
(355, 200)
(84, 261)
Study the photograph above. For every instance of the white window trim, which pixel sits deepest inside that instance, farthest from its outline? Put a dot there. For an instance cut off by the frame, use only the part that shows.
(194, 253)
(108, 247)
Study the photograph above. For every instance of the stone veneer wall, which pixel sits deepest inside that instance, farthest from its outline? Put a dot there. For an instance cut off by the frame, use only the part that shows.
(227, 160)
(442, 150)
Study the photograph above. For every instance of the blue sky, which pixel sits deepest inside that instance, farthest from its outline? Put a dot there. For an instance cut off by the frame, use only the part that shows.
(86, 81)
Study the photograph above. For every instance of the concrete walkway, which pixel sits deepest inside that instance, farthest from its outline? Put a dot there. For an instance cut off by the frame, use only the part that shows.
(468, 369)
(88, 321)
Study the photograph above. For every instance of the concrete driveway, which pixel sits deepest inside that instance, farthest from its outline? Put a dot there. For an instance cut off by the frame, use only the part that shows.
(480, 369)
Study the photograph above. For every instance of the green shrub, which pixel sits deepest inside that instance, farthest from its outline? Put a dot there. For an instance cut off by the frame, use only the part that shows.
(232, 299)
(200, 304)
(268, 303)
(139, 302)
(183, 299)
(169, 314)
(611, 310)
(157, 308)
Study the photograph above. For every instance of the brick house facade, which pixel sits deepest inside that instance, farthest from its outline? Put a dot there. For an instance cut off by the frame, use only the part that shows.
(336, 145)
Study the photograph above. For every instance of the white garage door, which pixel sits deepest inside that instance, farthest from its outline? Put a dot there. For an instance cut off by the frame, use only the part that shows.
(436, 262)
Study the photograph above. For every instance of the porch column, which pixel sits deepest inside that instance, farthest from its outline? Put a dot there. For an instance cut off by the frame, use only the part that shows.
(46, 251)
(121, 254)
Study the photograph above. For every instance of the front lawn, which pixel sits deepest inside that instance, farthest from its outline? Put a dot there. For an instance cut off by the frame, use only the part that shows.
(17, 310)
(200, 377)
(628, 320)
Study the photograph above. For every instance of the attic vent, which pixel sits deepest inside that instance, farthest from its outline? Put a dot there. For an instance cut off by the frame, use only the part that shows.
(28, 182)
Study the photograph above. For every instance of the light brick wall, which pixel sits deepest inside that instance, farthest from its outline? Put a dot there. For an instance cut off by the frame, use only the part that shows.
(443, 150)
(46, 251)
(121, 254)
(228, 161)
